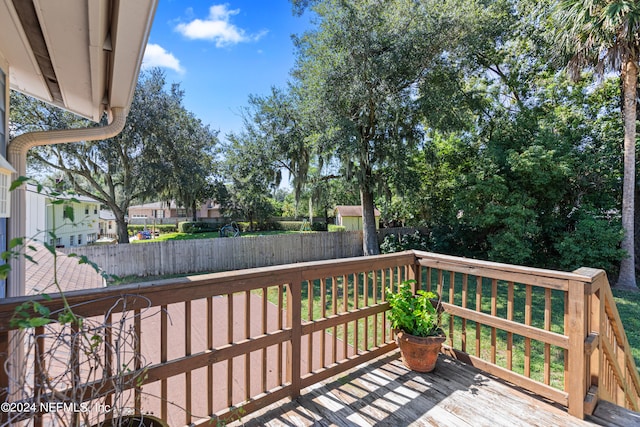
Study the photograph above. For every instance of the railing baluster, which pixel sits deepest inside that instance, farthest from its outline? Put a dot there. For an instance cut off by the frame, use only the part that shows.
(210, 348)
(310, 318)
(494, 313)
(187, 352)
(509, 334)
(566, 331)
(247, 335)
(323, 333)
(265, 329)
(137, 325)
(375, 301)
(163, 359)
(230, 341)
(429, 279)
(280, 327)
(366, 304)
(356, 305)
(345, 309)
(334, 311)
(452, 292)
(38, 371)
(465, 285)
(527, 321)
(108, 354)
(478, 309)
(386, 334)
(547, 327)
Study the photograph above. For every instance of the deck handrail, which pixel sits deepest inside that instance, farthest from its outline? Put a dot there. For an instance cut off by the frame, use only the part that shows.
(329, 317)
(611, 371)
(597, 359)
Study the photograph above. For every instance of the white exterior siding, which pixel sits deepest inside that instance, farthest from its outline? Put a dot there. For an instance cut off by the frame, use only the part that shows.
(44, 217)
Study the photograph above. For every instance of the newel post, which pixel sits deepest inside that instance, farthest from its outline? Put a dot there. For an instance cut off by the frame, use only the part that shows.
(577, 333)
(294, 322)
(414, 272)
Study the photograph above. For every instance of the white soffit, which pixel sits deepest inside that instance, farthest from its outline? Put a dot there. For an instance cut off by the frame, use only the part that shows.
(95, 49)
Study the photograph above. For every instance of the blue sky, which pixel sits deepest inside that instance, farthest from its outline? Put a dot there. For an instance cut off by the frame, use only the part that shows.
(220, 52)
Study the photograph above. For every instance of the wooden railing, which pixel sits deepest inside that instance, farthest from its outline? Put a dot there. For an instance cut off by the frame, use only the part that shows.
(226, 344)
(556, 334)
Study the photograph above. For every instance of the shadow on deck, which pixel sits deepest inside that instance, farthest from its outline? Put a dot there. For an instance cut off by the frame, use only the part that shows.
(385, 393)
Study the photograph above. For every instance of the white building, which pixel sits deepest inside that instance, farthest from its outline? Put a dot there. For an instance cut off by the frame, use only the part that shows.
(48, 221)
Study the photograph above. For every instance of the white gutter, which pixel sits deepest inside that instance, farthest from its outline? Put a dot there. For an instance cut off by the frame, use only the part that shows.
(17, 156)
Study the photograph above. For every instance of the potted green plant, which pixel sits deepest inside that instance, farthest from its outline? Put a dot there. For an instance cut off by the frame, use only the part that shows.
(416, 322)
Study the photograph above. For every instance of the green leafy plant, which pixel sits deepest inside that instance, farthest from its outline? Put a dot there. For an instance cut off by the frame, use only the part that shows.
(414, 313)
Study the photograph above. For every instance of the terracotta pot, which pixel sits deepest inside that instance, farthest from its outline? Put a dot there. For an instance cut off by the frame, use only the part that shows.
(419, 353)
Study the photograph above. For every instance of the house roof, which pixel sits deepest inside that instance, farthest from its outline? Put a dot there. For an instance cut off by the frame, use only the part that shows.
(71, 274)
(47, 191)
(155, 205)
(346, 210)
(83, 56)
(106, 215)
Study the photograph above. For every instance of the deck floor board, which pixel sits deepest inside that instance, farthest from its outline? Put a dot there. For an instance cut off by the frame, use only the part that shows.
(385, 393)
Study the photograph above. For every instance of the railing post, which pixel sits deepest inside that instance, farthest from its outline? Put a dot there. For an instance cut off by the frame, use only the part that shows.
(577, 332)
(294, 322)
(414, 273)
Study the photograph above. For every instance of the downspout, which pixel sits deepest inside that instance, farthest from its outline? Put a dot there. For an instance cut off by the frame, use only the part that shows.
(17, 156)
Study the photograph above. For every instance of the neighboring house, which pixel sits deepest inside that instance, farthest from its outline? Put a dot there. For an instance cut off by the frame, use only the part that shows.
(162, 210)
(350, 217)
(44, 217)
(107, 224)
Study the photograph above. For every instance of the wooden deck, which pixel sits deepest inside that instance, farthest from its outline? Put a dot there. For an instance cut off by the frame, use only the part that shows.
(385, 393)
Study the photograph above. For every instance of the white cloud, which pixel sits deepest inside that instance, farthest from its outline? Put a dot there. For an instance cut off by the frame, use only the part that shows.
(218, 28)
(156, 56)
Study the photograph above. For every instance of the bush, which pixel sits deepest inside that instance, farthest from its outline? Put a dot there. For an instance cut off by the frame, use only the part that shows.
(290, 225)
(196, 227)
(162, 228)
(319, 226)
(393, 243)
(333, 227)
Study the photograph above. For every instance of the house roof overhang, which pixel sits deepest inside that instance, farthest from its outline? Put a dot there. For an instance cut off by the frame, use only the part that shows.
(83, 56)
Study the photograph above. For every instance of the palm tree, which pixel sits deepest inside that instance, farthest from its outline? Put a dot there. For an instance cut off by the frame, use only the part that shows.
(606, 34)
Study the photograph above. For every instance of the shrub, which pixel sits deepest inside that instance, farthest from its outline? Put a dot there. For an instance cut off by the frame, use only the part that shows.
(196, 227)
(398, 243)
(333, 227)
(290, 225)
(319, 226)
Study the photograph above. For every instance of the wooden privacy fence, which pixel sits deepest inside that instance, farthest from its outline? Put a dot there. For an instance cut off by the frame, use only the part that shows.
(226, 344)
(209, 255)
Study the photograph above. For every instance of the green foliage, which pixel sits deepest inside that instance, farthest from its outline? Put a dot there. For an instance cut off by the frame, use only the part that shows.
(398, 243)
(334, 228)
(593, 241)
(162, 228)
(196, 227)
(413, 313)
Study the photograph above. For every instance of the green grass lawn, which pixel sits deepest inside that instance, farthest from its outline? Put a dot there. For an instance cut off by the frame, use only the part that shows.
(628, 304)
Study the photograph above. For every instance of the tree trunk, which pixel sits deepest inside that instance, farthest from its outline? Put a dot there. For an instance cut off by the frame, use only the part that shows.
(121, 226)
(193, 211)
(629, 76)
(369, 235)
